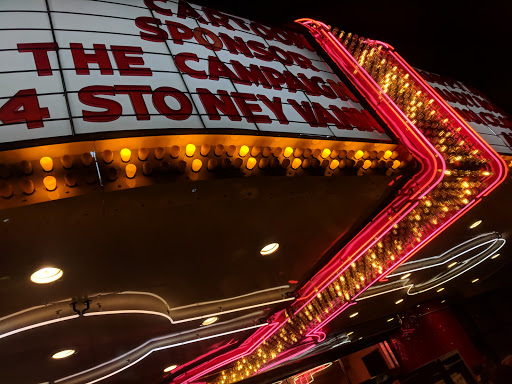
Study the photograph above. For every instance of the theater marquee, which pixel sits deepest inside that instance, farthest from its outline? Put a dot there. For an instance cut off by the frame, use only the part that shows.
(71, 67)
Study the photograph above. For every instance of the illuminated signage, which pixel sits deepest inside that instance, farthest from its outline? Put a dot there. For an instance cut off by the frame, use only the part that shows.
(486, 118)
(83, 66)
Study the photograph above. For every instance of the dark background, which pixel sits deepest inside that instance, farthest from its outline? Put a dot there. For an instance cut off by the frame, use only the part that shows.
(469, 41)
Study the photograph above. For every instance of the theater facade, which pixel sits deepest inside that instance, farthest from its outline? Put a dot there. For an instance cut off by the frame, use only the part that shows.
(189, 196)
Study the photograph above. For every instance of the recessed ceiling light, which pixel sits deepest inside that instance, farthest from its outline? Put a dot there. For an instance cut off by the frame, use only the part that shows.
(63, 354)
(389, 320)
(350, 333)
(475, 280)
(452, 264)
(440, 289)
(495, 256)
(210, 320)
(399, 301)
(354, 314)
(405, 276)
(475, 224)
(170, 368)
(46, 275)
(269, 249)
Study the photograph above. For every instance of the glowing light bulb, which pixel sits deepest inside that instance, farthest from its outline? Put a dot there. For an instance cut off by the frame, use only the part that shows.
(63, 354)
(190, 149)
(475, 224)
(244, 150)
(251, 163)
(399, 301)
(46, 275)
(46, 163)
(210, 320)
(170, 368)
(196, 165)
(354, 315)
(126, 154)
(288, 151)
(326, 153)
(50, 183)
(296, 163)
(269, 249)
(131, 170)
(358, 154)
(334, 164)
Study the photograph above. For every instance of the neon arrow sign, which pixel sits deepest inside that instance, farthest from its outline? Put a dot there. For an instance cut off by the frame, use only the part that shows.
(456, 169)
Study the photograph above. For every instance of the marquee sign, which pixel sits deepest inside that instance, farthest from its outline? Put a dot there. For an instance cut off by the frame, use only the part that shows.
(490, 121)
(84, 66)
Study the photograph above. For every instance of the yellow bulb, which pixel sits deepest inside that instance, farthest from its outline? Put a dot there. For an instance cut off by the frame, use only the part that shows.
(326, 153)
(170, 368)
(190, 149)
(46, 275)
(396, 164)
(251, 163)
(288, 151)
(387, 154)
(63, 354)
(196, 165)
(131, 170)
(334, 164)
(367, 164)
(244, 150)
(269, 249)
(358, 154)
(46, 163)
(126, 154)
(296, 163)
(50, 183)
(210, 320)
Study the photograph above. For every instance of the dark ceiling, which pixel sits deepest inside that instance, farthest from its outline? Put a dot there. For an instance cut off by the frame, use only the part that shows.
(187, 242)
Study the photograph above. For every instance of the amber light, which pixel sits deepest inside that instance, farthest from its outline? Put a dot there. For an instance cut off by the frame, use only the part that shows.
(126, 154)
(50, 183)
(244, 150)
(475, 224)
(131, 170)
(354, 314)
(63, 354)
(190, 149)
(46, 163)
(46, 275)
(210, 320)
(399, 301)
(269, 249)
(170, 368)
(405, 276)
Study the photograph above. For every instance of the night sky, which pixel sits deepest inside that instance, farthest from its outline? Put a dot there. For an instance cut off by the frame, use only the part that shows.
(470, 43)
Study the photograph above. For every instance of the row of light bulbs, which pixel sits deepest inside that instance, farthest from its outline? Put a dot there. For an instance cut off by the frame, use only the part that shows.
(277, 157)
